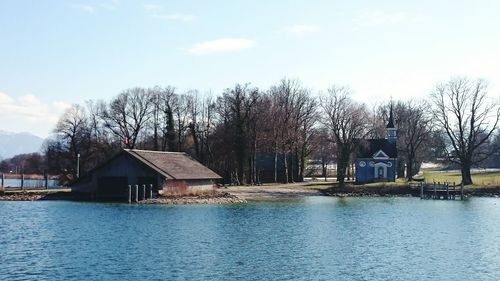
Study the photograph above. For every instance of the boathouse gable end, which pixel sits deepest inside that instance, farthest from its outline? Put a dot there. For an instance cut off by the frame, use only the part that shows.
(162, 170)
(121, 169)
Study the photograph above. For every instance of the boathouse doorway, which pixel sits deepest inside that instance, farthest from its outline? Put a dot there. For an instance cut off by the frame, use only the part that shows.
(112, 188)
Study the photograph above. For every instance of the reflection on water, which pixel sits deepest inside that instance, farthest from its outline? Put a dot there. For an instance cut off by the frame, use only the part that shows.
(318, 238)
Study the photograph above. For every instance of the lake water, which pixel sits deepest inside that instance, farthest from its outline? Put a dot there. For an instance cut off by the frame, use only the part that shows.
(317, 238)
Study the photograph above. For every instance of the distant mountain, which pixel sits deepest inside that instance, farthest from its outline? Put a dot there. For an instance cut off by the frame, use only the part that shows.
(12, 144)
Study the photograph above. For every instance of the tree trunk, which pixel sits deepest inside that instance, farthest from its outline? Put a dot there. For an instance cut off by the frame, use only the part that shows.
(324, 166)
(466, 175)
(276, 163)
(342, 164)
(409, 169)
(285, 163)
(302, 166)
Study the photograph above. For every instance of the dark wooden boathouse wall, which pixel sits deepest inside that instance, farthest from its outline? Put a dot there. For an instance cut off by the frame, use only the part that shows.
(111, 180)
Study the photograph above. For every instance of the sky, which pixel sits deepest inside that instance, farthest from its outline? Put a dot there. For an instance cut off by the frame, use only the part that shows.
(56, 53)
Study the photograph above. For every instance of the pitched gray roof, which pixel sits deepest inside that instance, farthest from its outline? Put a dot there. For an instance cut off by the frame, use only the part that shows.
(173, 165)
(369, 147)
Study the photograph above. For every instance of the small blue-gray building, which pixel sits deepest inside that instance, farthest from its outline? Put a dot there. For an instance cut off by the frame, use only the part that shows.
(376, 159)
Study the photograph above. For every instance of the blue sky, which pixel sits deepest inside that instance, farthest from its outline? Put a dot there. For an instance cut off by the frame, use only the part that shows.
(54, 53)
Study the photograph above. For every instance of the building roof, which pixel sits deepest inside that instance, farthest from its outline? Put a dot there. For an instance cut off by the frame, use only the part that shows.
(390, 124)
(368, 148)
(173, 165)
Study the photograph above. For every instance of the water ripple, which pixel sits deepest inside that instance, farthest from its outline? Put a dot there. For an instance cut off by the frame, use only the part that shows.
(316, 239)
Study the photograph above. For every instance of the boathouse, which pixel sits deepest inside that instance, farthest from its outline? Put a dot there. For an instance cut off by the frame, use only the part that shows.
(158, 170)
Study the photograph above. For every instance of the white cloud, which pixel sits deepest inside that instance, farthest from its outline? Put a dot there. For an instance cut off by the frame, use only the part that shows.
(303, 28)
(109, 5)
(85, 8)
(221, 46)
(29, 114)
(175, 17)
(377, 17)
(157, 11)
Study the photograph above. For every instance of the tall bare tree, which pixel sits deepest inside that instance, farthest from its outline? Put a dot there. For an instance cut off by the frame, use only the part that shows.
(414, 124)
(291, 108)
(469, 118)
(73, 130)
(238, 104)
(345, 121)
(127, 115)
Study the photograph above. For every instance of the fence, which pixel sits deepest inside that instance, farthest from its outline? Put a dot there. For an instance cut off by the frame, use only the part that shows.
(31, 181)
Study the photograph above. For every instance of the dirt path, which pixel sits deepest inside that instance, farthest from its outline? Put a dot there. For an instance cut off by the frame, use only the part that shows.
(274, 191)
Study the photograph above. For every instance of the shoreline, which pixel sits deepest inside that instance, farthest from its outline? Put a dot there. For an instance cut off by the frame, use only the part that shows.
(262, 193)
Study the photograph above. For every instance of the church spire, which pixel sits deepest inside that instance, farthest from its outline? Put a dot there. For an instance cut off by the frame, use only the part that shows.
(391, 129)
(390, 124)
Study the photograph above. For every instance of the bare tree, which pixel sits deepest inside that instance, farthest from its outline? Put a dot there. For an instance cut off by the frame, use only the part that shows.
(73, 130)
(239, 106)
(461, 106)
(345, 121)
(181, 111)
(127, 114)
(414, 124)
(161, 120)
(291, 107)
(323, 150)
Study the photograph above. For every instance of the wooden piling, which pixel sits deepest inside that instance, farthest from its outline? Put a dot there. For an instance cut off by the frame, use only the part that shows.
(421, 190)
(143, 195)
(150, 191)
(461, 191)
(22, 181)
(136, 199)
(435, 193)
(46, 179)
(447, 191)
(3, 180)
(129, 194)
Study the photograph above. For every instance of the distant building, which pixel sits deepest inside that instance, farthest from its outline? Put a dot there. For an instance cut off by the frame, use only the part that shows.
(265, 167)
(376, 159)
(163, 170)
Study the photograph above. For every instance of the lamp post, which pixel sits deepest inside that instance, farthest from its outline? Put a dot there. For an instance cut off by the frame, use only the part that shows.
(78, 165)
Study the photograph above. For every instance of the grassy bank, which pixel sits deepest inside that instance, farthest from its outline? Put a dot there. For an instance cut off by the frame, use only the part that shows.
(480, 179)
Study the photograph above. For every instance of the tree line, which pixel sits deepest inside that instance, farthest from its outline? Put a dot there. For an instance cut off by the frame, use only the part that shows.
(287, 122)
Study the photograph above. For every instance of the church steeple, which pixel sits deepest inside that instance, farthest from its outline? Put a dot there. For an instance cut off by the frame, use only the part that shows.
(391, 130)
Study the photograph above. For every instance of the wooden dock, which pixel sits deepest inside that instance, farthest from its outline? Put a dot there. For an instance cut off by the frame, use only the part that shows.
(441, 191)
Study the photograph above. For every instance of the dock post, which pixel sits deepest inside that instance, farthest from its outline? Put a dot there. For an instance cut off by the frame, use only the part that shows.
(129, 194)
(3, 180)
(434, 196)
(151, 191)
(421, 190)
(461, 191)
(22, 181)
(143, 195)
(447, 191)
(136, 199)
(46, 179)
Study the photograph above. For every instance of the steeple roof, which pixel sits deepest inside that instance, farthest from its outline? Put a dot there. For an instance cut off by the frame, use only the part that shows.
(390, 124)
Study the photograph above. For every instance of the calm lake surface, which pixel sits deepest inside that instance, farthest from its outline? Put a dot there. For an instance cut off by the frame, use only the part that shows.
(316, 238)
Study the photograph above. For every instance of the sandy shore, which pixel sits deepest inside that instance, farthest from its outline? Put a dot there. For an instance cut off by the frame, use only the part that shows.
(268, 192)
(35, 195)
(219, 197)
